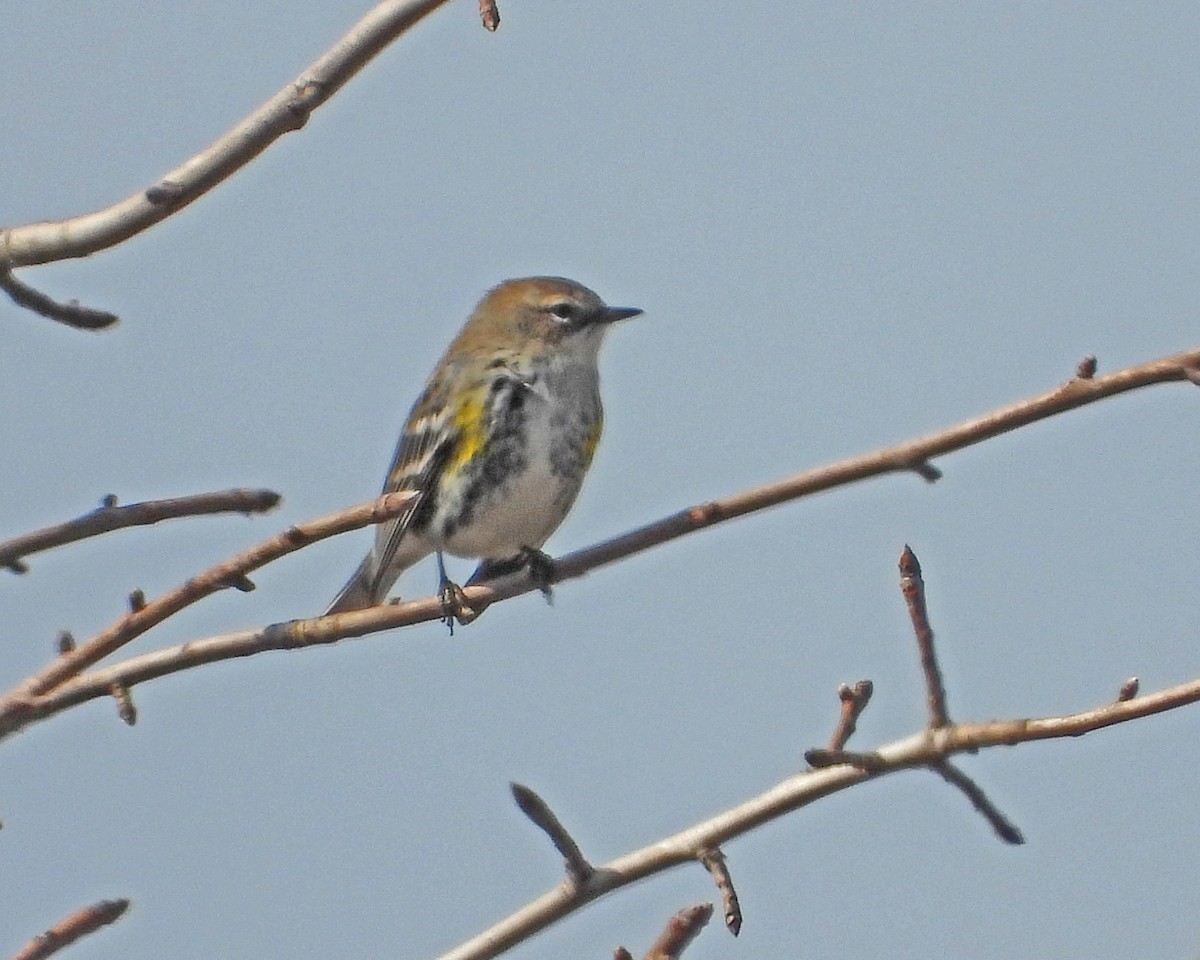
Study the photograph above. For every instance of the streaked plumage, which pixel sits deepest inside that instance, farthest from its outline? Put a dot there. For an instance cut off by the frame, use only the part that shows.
(497, 445)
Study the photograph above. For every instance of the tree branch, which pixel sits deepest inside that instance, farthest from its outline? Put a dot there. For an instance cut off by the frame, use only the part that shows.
(17, 705)
(929, 748)
(52, 690)
(108, 517)
(79, 924)
(288, 110)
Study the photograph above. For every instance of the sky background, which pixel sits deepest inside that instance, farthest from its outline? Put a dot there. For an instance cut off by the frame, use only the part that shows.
(849, 225)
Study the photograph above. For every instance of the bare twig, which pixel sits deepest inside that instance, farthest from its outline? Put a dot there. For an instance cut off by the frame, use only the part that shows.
(126, 709)
(913, 588)
(285, 112)
(1005, 829)
(79, 924)
(537, 810)
(143, 617)
(109, 517)
(853, 701)
(31, 701)
(489, 14)
(922, 749)
(70, 313)
(714, 862)
(680, 931)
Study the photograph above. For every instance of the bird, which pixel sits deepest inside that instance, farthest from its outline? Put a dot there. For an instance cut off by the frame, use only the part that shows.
(495, 449)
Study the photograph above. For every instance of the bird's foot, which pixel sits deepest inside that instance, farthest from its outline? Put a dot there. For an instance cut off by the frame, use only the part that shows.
(542, 571)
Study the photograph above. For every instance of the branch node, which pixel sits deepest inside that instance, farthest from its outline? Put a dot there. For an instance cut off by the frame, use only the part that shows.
(926, 471)
(536, 809)
(125, 706)
(714, 862)
(165, 193)
(17, 566)
(1129, 690)
(1192, 373)
(239, 581)
(1086, 368)
(821, 757)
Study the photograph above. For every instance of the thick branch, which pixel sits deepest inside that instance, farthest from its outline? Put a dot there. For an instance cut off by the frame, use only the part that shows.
(288, 110)
(927, 748)
(109, 517)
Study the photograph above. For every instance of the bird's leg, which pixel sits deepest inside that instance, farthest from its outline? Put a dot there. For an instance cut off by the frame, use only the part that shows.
(542, 570)
(454, 601)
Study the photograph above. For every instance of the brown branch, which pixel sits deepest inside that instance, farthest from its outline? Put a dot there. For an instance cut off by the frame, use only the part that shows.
(287, 111)
(853, 701)
(913, 588)
(489, 14)
(714, 862)
(108, 517)
(1005, 829)
(680, 931)
(79, 924)
(33, 700)
(71, 313)
(145, 614)
(923, 749)
(537, 810)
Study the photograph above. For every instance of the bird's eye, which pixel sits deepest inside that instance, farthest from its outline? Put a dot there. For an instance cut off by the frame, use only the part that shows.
(565, 311)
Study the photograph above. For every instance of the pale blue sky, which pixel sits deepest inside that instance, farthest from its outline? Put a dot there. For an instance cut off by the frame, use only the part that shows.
(848, 224)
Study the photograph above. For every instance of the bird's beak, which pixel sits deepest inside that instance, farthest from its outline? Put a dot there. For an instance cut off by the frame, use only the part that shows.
(613, 314)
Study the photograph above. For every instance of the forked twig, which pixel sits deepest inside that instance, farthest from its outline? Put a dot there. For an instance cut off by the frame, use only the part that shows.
(109, 517)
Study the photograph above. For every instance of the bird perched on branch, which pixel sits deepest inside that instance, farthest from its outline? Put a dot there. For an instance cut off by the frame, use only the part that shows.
(496, 447)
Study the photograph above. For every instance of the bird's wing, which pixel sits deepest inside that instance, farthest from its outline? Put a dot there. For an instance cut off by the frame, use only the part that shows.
(434, 439)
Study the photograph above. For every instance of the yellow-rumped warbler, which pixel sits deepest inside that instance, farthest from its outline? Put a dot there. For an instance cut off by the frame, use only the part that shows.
(497, 445)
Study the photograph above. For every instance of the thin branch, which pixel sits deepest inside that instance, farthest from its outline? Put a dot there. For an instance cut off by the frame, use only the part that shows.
(288, 110)
(853, 701)
(489, 14)
(108, 517)
(923, 749)
(680, 931)
(72, 313)
(148, 614)
(79, 924)
(1005, 829)
(913, 589)
(714, 862)
(537, 810)
(33, 700)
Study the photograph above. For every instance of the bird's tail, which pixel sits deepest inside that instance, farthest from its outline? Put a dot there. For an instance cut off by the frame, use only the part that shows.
(359, 591)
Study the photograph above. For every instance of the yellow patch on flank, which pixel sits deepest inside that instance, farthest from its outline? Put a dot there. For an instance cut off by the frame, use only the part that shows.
(469, 424)
(590, 444)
